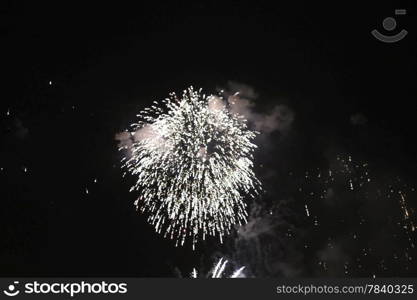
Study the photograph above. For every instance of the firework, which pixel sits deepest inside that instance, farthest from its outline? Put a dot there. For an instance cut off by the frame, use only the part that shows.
(193, 159)
(219, 269)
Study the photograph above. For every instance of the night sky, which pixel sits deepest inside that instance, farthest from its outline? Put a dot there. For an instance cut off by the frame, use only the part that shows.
(74, 75)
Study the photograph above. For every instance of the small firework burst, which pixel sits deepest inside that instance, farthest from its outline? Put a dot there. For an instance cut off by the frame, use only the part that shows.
(193, 160)
(219, 271)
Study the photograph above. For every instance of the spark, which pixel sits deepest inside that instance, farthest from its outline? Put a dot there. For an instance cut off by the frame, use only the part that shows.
(193, 160)
(219, 268)
(348, 174)
(219, 271)
(238, 273)
(307, 211)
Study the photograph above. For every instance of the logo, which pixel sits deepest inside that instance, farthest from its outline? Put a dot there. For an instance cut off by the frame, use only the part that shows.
(11, 290)
(390, 24)
(71, 289)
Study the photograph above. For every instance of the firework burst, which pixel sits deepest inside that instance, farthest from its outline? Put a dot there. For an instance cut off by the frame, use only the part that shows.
(193, 160)
(218, 271)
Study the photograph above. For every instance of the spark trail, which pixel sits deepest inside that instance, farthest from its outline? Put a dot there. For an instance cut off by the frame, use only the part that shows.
(218, 271)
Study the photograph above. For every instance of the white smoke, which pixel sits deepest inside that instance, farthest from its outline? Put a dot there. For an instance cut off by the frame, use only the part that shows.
(125, 139)
(216, 104)
(147, 133)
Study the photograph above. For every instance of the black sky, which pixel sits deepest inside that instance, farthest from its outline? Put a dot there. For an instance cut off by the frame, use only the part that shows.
(76, 74)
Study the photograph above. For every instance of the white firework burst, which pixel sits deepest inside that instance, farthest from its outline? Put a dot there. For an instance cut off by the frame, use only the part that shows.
(219, 271)
(193, 160)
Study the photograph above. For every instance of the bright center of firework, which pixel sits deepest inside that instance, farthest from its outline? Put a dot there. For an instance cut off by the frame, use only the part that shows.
(193, 161)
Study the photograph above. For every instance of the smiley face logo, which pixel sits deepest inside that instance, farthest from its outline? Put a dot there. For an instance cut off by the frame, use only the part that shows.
(390, 24)
(12, 290)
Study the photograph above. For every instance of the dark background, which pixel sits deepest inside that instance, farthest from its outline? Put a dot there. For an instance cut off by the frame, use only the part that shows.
(107, 61)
